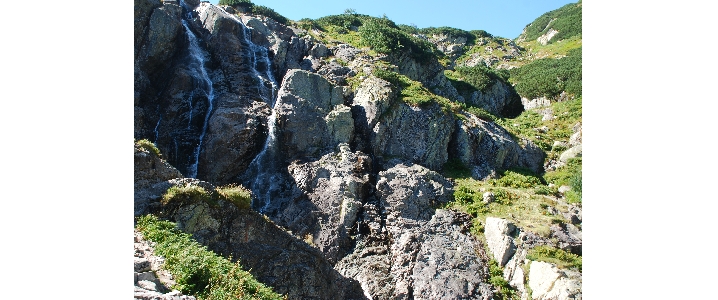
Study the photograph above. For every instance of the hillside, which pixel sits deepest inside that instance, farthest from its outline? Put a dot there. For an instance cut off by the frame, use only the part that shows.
(350, 157)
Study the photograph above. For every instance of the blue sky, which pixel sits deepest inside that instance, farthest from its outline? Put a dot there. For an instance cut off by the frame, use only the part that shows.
(505, 18)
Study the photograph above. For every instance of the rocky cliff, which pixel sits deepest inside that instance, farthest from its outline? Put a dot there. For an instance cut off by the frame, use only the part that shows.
(350, 194)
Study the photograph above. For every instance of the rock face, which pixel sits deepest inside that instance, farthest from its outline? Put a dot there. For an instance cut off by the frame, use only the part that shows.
(412, 251)
(488, 147)
(311, 115)
(150, 172)
(272, 255)
(336, 185)
(499, 99)
(418, 135)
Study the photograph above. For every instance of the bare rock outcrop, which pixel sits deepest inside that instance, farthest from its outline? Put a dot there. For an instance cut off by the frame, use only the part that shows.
(499, 237)
(311, 115)
(548, 282)
(151, 280)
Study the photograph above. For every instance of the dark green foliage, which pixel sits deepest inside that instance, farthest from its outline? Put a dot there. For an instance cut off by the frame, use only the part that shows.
(146, 145)
(481, 33)
(567, 22)
(237, 3)
(409, 29)
(517, 178)
(559, 257)
(549, 77)
(309, 24)
(197, 270)
(479, 77)
(481, 113)
(268, 12)
(345, 21)
(383, 36)
(450, 32)
(454, 168)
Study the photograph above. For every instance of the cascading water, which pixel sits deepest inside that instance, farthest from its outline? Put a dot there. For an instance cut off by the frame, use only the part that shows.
(262, 174)
(204, 86)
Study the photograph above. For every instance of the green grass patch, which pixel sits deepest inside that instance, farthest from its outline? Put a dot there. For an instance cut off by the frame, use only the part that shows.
(566, 114)
(562, 259)
(496, 278)
(570, 175)
(197, 270)
(148, 146)
(520, 205)
(238, 195)
(566, 20)
(517, 178)
(414, 93)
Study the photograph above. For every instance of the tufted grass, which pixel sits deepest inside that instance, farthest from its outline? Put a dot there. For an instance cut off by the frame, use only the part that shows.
(238, 195)
(148, 146)
(197, 270)
(562, 259)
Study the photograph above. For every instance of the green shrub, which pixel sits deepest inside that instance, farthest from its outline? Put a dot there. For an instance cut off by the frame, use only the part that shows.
(383, 36)
(237, 194)
(545, 190)
(268, 12)
(198, 271)
(561, 258)
(477, 78)
(450, 32)
(188, 193)
(237, 3)
(454, 168)
(517, 178)
(549, 77)
(148, 146)
(496, 278)
(481, 33)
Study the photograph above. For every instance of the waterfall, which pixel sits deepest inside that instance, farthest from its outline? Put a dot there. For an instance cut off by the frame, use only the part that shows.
(198, 58)
(262, 174)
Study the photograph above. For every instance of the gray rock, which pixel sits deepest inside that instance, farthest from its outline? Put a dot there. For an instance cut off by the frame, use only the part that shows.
(414, 134)
(535, 103)
(548, 282)
(148, 285)
(488, 147)
(488, 197)
(499, 237)
(574, 214)
(499, 99)
(575, 151)
(564, 188)
(311, 117)
(336, 185)
(345, 52)
(410, 192)
(568, 237)
(141, 265)
(576, 139)
(544, 39)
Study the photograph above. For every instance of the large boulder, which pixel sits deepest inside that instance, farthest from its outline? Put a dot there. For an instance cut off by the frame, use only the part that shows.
(419, 252)
(487, 147)
(499, 236)
(311, 116)
(548, 282)
(499, 99)
(415, 134)
(337, 186)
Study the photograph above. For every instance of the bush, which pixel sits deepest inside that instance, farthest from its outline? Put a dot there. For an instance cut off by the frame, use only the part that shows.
(268, 12)
(496, 273)
(188, 193)
(450, 32)
(197, 270)
(517, 178)
(148, 146)
(384, 36)
(237, 3)
(237, 194)
(476, 78)
(549, 77)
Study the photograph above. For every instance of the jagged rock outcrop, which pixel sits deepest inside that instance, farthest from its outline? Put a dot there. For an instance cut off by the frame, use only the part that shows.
(499, 99)
(150, 170)
(413, 251)
(488, 147)
(416, 134)
(272, 255)
(311, 115)
(337, 186)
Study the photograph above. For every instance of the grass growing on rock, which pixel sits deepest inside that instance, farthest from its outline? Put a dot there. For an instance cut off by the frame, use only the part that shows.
(148, 146)
(197, 270)
(562, 259)
(238, 195)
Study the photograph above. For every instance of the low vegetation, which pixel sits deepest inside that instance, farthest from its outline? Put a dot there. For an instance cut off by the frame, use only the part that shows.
(549, 77)
(562, 259)
(566, 20)
(148, 146)
(467, 80)
(198, 271)
(496, 273)
(235, 194)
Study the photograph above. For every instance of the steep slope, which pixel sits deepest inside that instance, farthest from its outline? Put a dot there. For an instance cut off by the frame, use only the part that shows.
(375, 152)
